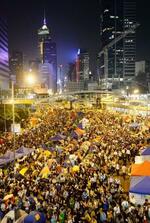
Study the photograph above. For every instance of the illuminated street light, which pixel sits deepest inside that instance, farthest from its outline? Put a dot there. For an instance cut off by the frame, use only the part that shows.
(136, 91)
(30, 79)
(127, 89)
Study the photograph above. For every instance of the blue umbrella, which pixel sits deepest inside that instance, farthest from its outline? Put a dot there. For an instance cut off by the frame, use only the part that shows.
(74, 135)
(57, 137)
(35, 217)
(80, 126)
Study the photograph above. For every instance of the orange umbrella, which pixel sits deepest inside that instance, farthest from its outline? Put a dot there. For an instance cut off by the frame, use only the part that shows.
(79, 131)
(8, 196)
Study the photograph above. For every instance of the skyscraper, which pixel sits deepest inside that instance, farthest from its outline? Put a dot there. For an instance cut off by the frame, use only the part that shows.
(4, 63)
(16, 66)
(82, 66)
(71, 75)
(48, 55)
(116, 17)
(130, 40)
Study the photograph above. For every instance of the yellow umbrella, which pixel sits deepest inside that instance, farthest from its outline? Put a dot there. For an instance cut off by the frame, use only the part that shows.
(45, 172)
(8, 196)
(75, 168)
(47, 153)
(23, 171)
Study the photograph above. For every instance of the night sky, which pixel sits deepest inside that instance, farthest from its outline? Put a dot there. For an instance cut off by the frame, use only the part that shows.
(73, 24)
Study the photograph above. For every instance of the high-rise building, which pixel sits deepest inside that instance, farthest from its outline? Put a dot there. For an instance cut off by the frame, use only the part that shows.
(142, 67)
(130, 40)
(47, 54)
(116, 17)
(71, 74)
(34, 66)
(4, 61)
(16, 67)
(82, 66)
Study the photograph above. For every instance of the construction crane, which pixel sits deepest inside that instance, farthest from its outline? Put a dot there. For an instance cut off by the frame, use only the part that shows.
(113, 42)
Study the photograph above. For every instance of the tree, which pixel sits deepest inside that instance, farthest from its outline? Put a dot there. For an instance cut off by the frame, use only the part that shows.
(21, 113)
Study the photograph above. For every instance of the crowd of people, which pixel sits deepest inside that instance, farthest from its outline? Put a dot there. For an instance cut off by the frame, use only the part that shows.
(84, 169)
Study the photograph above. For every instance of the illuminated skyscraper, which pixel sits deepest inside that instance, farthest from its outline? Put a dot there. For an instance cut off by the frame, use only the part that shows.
(16, 66)
(130, 40)
(4, 61)
(116, 17)
(82, 66)
(47, 54)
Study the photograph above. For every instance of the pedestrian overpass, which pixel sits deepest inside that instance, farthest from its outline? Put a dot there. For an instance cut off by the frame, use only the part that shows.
(18, 101)
(64, 96)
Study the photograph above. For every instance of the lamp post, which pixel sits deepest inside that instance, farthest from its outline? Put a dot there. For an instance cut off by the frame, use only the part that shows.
(5, 127)
(13, 118)
(127, 89)
(135, 92)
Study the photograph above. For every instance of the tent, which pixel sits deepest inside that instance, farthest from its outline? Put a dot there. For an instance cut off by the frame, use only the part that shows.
(138, 198)
(141, 159)
(141, 169)
(141, 186)
(145, 152)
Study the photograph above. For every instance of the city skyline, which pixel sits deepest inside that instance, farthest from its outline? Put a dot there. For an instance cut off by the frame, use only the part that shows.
(72, 26)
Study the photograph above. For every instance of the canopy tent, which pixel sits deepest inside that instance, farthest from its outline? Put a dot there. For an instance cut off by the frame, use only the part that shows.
(141, 169)
(145, 152)
(134, 169)
(138, 198)
(141, 186)
(141, 159)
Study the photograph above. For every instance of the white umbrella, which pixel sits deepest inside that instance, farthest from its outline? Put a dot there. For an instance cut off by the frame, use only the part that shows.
(10, 214)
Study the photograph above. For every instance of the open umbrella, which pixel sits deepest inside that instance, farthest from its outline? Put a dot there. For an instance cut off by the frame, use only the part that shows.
(35, 217)
(8, 196)
(19, 213)
(10, 214)
(21, 219)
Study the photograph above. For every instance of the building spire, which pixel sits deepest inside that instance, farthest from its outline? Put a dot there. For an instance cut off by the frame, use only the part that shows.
(44, 21)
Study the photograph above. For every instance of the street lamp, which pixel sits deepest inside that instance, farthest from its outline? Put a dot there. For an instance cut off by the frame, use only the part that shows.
(13, 117)
(123, 92)
(30, 79)
(136, 91)
(127, 89)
